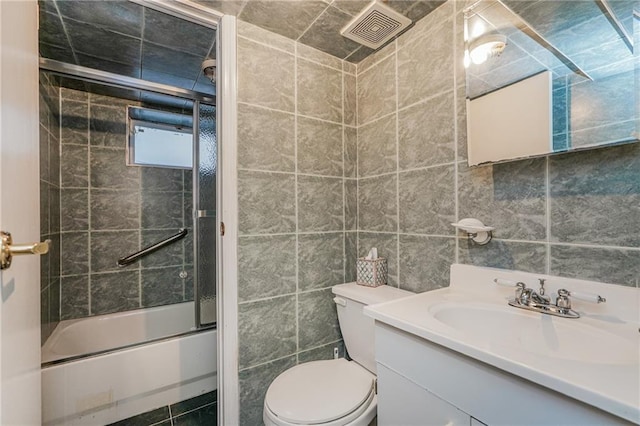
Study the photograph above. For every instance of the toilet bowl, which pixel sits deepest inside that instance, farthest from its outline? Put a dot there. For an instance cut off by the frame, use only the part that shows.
(334, 392)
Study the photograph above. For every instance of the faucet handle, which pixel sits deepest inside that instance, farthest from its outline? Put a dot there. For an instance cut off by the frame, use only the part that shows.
(563, 301)
(506, 283)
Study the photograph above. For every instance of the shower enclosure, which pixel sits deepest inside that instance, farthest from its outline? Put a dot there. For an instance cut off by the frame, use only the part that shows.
(135, 229)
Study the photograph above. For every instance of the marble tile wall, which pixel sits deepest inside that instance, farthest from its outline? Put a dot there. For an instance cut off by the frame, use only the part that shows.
(573, 215)
(49, 204)
(297, 192)
(110, 210)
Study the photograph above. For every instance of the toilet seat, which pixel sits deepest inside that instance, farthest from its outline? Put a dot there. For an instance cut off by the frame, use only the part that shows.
(333, 392)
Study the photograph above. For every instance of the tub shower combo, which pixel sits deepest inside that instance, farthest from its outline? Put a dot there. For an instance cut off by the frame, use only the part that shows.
(128, 184)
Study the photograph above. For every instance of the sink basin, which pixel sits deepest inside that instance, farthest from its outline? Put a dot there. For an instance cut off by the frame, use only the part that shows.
(534, 333)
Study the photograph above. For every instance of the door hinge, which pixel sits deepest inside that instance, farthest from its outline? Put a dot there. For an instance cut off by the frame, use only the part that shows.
(222, 229)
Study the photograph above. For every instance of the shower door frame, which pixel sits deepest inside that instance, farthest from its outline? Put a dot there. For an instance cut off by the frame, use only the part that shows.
(226, 188)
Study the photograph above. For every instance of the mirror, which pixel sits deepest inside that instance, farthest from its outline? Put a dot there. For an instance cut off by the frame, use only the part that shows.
(587, 46)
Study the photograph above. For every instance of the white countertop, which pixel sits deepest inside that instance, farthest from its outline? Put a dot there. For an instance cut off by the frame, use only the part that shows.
(596, 359)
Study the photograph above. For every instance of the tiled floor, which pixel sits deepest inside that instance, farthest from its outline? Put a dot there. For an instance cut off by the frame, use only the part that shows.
(198, 411)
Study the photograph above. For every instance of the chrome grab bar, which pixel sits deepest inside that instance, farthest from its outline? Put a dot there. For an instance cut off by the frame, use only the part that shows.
(128, 260)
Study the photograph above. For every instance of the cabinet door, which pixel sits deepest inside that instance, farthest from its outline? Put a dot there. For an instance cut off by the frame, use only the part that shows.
(402, 402)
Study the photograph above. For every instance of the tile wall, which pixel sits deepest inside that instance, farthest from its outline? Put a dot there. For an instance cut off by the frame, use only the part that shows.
(297, 203)
(110, 210)
(49, 204)
(574, 215)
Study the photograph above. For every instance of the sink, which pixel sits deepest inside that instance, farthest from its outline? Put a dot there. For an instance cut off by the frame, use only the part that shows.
(534, 333)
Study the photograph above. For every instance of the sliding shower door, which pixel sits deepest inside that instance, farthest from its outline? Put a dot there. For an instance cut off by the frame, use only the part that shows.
(205, 174)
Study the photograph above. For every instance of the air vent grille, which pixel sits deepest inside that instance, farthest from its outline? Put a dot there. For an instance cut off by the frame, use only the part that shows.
(375, 25)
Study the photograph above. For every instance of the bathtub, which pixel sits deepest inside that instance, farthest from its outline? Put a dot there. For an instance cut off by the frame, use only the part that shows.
(116, 384)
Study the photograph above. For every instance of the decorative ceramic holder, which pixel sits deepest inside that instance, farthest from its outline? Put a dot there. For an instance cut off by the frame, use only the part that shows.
(371, 273)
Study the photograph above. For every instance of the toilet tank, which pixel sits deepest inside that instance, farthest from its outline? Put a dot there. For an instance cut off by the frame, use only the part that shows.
(357, 328)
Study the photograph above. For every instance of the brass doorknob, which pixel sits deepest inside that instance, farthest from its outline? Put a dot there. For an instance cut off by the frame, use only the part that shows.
(8, 249)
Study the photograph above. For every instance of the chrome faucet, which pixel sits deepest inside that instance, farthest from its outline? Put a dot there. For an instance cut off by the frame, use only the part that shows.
(527, 298)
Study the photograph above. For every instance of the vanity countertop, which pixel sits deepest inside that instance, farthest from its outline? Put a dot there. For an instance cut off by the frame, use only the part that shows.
(594, 359)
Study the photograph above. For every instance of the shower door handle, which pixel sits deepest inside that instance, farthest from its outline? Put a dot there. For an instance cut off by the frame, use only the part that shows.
(8, 249)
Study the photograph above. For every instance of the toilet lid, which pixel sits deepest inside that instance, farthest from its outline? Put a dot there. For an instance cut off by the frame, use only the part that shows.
(319, 391)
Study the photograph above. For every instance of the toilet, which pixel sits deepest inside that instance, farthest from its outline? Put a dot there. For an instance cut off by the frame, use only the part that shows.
(334, 392)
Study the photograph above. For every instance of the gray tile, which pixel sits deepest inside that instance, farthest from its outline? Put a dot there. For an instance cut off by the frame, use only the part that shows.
(377, 147)
(51, 31)
(266, 330)
(379, 54)
(505, 255)
(425, 69)
(267, 266)
(377, 91)
(122, 17)
(359, 54)
(426, 133)
(351, 204)
(263, 36)
(427, 201)
(595, 196)
(350, 96)
(254, 383)
(161, 286)
(274, 89)
(319, 147)
(162, 210)
(617, 266)
(266, 139)
(422, 9)
(171, 255)
(74, 122)
(43, 151)
(44, 207)
(109, 246)
(320, 204)
(320, 260)
(54, 209)
(319, 91)
(314, 55)
(189, 37)
(317, 319)
(350, 152)
(114, 292)
(461, 123)
(74, 166)
(161, 179)
(114, 209)
(55, 249)
(54, 162)
(352, 7)
(425, 262)
(350, 256)
(102, 43)
(510, 196)
(377, 207)
(74, 297)
(54, 301)
(387, 245)
(75, 210)
(271, 14)
(108, 126)
(322, 352)
(163, 59)
(126, 69)
(194, 403)
(207, 415)
(149, 418)
(74, 253)
(324, 33)
(266, 203)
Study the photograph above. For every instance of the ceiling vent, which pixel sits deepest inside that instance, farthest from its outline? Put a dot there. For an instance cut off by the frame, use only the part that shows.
(375, 25)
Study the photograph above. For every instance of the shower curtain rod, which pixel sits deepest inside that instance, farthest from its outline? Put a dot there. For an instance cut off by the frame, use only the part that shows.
(121, 81)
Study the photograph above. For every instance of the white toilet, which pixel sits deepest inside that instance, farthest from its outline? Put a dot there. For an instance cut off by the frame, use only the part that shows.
(334, 392)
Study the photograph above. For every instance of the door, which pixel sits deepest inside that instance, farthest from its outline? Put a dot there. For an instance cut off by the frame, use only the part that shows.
(19, 204)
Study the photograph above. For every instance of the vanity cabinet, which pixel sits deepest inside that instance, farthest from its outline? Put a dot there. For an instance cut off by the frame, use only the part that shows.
(423, 383)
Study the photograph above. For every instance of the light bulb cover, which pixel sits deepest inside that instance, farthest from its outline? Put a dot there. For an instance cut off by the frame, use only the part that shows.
(486, 46)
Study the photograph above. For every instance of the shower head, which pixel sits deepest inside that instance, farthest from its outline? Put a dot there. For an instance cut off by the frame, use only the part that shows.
(209, 69)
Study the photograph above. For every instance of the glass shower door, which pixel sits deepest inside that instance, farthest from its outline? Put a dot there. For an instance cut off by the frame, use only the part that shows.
(205, 174)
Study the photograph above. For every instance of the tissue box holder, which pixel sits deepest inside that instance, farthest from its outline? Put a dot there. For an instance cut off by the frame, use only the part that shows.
(371, 273)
